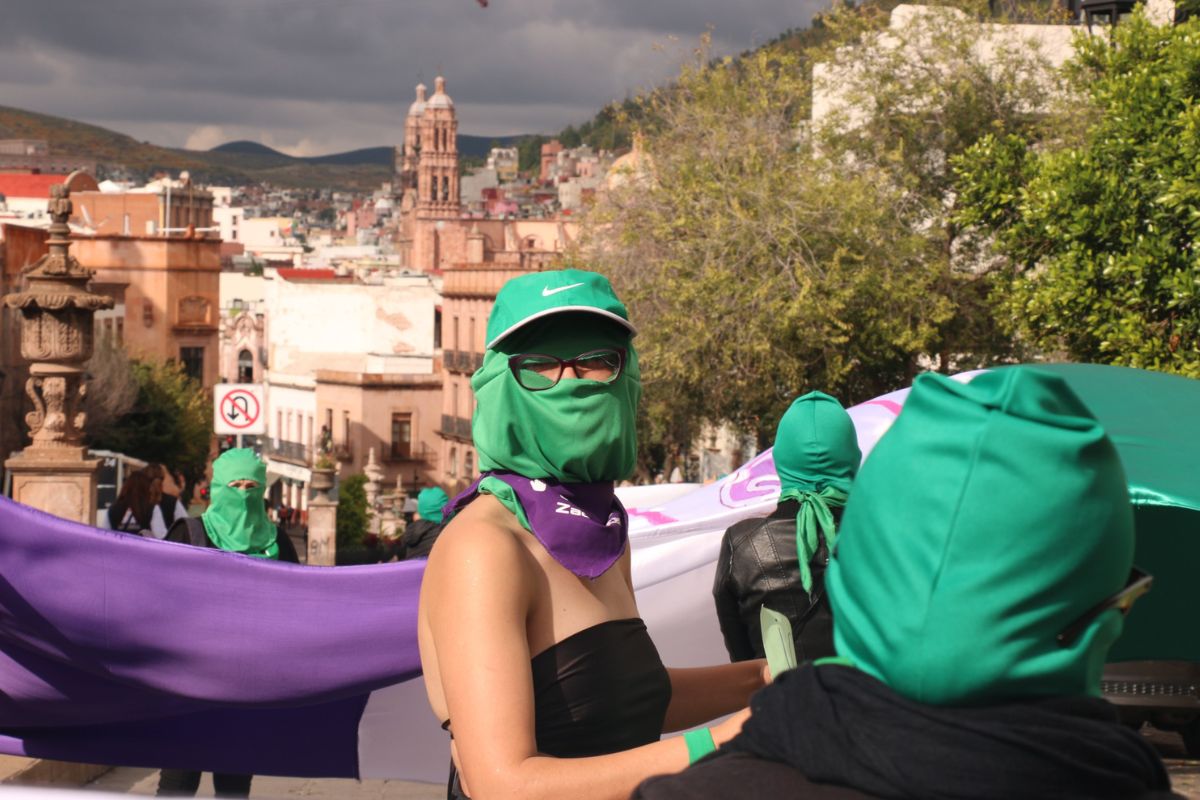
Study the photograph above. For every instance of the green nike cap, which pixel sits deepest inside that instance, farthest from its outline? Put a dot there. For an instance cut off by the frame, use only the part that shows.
(540, 294)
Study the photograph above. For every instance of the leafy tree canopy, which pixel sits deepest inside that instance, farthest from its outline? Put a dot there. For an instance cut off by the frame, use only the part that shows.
(1100, 235)
(764, 254)
(352, 512)
(170, 421)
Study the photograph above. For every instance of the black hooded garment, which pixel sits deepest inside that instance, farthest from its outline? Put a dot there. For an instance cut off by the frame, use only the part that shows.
(835, 733)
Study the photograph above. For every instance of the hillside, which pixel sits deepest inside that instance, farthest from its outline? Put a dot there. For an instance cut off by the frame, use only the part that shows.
(237, 162)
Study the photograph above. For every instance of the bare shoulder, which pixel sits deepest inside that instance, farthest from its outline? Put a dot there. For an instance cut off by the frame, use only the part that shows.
(481, 542)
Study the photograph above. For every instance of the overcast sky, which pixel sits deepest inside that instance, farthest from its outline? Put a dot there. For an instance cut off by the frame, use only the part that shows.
(319, 76)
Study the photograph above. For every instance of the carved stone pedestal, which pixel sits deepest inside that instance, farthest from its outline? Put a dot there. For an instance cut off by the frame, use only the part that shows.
(322, 531)
(63, 487)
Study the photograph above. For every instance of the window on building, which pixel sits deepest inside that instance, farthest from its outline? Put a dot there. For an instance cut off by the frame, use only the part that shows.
(120, 330)
(454, 330)
(126, 226)
(445, 188)
(453, 399)
(346, 427)
(192, 359)
(453, 462)
(401, 435)
(471, 334)
(245, 367)
(329, 421)
(437, 329)
(469, 464)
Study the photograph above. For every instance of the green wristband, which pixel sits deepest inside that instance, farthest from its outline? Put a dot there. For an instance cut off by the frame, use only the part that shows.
(699, 744)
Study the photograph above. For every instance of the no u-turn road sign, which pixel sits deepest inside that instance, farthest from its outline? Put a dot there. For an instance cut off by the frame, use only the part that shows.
(238, 408)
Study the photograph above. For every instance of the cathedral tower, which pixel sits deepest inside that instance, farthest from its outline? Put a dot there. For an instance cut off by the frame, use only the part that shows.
(409, 154)
(437, 163)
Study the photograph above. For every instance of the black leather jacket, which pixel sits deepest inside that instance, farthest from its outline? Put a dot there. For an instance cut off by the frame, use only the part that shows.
(758, 566)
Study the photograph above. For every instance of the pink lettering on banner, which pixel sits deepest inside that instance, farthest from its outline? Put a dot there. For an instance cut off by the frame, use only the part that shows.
(752, 484)
(890, 405)
(652, 517)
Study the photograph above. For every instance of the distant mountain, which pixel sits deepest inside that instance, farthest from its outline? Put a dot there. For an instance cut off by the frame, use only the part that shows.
(370, 155)
(247, 148)
(478, 146)
(230, 163)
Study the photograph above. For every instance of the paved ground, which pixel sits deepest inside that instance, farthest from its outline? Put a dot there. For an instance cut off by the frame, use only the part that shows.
(1185, 773)
(1185, 777)
(127, 780)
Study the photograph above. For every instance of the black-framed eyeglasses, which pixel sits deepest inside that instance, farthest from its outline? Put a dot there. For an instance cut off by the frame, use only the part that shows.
(538, 371)
(1138, 584)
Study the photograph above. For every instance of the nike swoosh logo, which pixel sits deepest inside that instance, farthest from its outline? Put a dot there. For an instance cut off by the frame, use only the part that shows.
(547, 291)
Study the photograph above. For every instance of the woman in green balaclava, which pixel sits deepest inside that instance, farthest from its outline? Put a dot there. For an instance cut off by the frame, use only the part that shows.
(531, 645)
(779, 562)
(236, 521)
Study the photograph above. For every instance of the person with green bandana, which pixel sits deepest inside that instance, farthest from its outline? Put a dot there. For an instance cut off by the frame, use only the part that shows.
(532, 648)
(236, 521)
(423, 531)
(779, 562)
(981, 573)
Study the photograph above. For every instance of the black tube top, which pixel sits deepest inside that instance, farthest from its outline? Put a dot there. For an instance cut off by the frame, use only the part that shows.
(601, 690)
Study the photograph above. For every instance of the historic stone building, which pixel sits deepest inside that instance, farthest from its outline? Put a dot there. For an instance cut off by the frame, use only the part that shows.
(473, 254)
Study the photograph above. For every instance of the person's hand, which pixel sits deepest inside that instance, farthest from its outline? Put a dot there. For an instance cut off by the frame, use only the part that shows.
(725, 730)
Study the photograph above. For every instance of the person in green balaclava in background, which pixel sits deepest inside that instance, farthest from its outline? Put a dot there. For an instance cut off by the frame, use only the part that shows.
(422, 532)
(532, 650)
(979, 577)
(236, 521)
(780, 561)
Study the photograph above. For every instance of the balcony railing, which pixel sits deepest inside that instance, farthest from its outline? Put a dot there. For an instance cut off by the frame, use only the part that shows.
(295, 452)
(456, 427)
(461, 360)
(421, 453)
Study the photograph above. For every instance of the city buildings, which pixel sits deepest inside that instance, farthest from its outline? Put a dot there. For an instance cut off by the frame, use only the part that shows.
(34, 156)
(350, 364)
(167, 292)
(163, 206)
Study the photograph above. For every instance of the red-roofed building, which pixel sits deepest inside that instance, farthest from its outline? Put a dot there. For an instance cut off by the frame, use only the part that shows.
(290, 274)
(14, 185)
(28, 193)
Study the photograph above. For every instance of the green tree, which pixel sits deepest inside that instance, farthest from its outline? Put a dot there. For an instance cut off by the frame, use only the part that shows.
(908, 102)
(352, 512)
(170, 422)
(112, 388)
(529, 153)
(754, 268)
(1099, 236)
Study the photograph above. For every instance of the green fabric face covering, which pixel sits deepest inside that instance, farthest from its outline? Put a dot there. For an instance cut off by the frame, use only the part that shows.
(237, 519)
(989, 518)
(579, 431)
(430, 503)
(816, 457)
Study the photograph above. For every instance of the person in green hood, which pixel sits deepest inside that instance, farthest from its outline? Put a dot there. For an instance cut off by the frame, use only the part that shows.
(235, 521)
(532, 648)
(981, 573)
(779, 562)
(422, 532)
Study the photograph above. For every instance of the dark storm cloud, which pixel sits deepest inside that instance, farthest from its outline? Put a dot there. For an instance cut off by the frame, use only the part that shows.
(339, 73)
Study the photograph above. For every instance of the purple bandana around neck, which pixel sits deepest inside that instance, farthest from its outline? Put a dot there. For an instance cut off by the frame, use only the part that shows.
(582, 525)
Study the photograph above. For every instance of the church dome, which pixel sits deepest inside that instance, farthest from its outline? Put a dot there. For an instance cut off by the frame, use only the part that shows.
(440, 99)
(418, 106)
